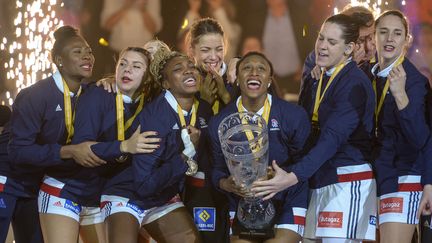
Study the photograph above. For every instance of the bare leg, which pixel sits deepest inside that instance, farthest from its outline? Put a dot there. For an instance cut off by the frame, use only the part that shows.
(396, 232)
(57, 228)
(284, 236)
(176, 226)
(236, 239)
(93, 233)
(305, 240)
(122, 228)
(143, 236)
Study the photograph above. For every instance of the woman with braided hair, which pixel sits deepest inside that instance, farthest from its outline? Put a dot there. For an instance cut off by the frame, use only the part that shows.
(159, 177)
(148, 190)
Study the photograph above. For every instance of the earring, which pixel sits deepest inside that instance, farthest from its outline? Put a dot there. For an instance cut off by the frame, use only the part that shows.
(60, 65)
(268, 86)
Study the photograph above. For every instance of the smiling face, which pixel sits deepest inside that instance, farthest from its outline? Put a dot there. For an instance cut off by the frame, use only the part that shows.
(130, 71)
(76, 59)
(254, 77)
(209, 51)
(180, 77)
(330, 47)
(391, 39)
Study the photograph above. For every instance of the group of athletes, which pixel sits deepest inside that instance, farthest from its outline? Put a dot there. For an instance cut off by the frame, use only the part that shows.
(139, 151)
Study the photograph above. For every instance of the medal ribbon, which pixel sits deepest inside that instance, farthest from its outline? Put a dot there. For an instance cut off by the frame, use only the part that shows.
(378, 106)
(265, 115)
(121, 125)
(69, 114)
(319, 96)
(215, 107)
(194, 112)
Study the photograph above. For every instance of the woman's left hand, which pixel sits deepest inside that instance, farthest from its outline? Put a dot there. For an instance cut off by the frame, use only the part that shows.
(222, 92)
(397, 81)
(232, 70)
(281, 181)
(108, 84)
(425, 207)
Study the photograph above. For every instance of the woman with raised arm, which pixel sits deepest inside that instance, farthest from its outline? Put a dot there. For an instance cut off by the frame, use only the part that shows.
(340, 104)
(401, 129)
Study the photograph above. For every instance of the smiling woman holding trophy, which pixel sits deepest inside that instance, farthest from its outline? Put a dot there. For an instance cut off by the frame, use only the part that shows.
(257, 131)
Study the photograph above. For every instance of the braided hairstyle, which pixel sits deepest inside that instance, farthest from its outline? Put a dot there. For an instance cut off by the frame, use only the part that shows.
(160, 59)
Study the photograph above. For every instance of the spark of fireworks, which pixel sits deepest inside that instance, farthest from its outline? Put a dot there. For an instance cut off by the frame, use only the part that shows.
(375, 6)
(29, 50)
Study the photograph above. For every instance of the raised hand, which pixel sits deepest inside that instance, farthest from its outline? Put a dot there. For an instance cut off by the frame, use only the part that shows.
(222, 92)
(316, 73)
(397, 81)
(208, 89)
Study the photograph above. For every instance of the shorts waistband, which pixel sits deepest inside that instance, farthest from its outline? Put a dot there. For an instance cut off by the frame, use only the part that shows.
(355, 173)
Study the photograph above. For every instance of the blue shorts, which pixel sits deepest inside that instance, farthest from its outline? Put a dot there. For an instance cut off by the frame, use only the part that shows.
(23, 213)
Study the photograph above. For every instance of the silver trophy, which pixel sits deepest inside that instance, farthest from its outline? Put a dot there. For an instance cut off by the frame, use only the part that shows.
(244, 142)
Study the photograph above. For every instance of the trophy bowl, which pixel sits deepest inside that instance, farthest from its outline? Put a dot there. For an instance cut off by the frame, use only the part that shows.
(244, 142)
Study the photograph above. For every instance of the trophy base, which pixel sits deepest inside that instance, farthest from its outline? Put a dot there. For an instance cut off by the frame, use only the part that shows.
(252, 234)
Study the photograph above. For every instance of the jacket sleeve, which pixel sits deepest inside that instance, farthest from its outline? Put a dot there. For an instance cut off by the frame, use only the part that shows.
(219, 168)
(26, 124)
(427, 163)
(412, 118)
(427, 150)
(343, 117)
(161, 169)
(89, 122)
(297, 137)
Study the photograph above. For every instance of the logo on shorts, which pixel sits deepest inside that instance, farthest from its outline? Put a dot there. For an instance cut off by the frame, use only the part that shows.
(391, 205)
(74, 207)
(330, 219)
(205, 218)
(134, 208)
(372, 220)
(58, 204)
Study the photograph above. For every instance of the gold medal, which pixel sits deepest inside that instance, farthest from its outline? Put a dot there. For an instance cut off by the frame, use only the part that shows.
(192, 167)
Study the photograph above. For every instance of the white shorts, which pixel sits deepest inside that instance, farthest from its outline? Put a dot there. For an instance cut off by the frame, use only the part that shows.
(155, 213)
(346, 209)
(402, 206)
(55, 205)
(297, 226)
(115, 204)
